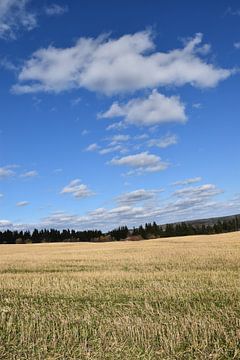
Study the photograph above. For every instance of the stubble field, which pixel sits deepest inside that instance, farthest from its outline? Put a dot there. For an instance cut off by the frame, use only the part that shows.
(176, 298)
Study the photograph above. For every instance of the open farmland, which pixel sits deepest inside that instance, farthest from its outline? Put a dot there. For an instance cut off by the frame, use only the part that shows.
(176, 298)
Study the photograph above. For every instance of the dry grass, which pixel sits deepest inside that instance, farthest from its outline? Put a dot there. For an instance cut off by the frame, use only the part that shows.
(173, 298)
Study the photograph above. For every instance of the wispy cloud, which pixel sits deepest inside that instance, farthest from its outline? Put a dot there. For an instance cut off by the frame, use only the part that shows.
(164, 141)
(188, 181)
(77, 189)
(231, 11)
(14, 17)
(199, 191)
(92, 147)
(6, 171)
(29, 174)
(116, 139)
(237, 45)
(111, 149)
(197, 105)
(55, 10)
(76, 101)
(22, 203)
(85, 132)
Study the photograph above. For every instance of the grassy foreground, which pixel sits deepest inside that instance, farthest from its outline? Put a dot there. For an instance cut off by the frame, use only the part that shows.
(173, 298)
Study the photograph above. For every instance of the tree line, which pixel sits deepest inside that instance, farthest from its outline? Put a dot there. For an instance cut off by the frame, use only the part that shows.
(149, 231)
(184, 229)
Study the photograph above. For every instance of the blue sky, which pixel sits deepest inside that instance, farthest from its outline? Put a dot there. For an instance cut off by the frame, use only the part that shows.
(118, 112)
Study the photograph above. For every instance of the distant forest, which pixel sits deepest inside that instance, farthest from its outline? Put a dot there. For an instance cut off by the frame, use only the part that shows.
(149, 231)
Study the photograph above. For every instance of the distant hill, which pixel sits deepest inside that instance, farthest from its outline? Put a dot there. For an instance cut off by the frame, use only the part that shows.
(206, 221)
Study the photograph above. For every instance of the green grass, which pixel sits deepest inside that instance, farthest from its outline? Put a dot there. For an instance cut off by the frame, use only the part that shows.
(155, 299)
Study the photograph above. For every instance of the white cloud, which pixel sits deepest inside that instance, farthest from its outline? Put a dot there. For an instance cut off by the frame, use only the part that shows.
(237, 45)
(76, 101)
(85, 132)
(192, 204)
(153, 110)
(6, 172)
(188, 181)
(55, 10)
(116, 126)
(22, 203)
(199, 191)
(142, 162)
(111, 149)
(112, 66)
(137, 196)
(5, 224)
(1, 195)
(197, 105)
(114, 145)
(92, 147)
(15, 17)
(141, 137)
(7, 64)
(164, 141)
(119, 138)
(77, 189)
(29, 174)
(230, 11)
(98, 218)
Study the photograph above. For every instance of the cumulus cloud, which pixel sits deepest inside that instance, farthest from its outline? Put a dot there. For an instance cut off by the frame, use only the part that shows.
(77, 189)
(29, 174)
(196, 202)
(98, 218)
(153, 110)
(55, 10)
(141, 162)
(112, 66)
(22, 203)
(136, 196)
(192, 204)
(164, 141)
(188, 181)
(15, 17)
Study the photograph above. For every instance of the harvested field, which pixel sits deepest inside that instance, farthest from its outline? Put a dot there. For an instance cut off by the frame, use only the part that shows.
(175, 298)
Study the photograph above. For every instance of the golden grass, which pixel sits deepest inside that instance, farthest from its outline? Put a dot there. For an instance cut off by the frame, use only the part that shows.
(176, 298)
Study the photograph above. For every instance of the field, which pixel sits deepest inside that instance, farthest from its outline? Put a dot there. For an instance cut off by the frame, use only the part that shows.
(175, 298)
